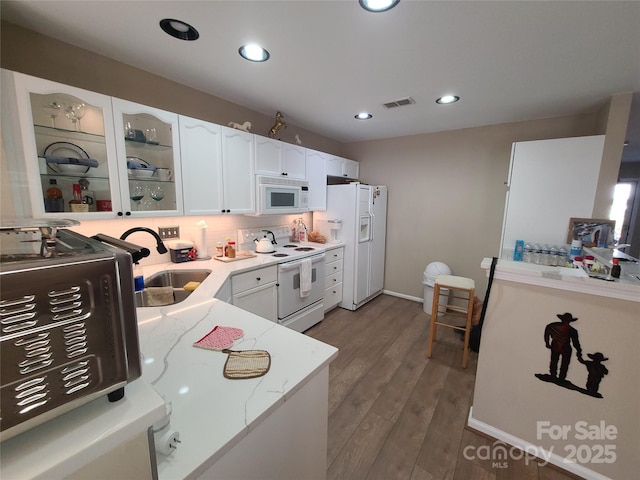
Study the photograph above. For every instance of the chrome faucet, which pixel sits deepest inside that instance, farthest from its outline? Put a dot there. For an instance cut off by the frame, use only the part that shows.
(159, 245)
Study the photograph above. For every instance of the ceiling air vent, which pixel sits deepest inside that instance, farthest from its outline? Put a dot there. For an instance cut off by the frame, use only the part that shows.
(399, 103)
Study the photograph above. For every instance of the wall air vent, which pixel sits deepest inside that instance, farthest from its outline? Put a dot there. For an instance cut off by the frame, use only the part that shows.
(399, 103)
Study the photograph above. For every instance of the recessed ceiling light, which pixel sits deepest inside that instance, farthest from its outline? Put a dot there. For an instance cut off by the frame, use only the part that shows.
(179, 29)
(363, 116)
(253, 53)
(447, 99)
(378, 5)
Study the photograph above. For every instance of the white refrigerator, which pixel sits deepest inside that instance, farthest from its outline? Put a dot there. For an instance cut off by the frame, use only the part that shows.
(363, 211)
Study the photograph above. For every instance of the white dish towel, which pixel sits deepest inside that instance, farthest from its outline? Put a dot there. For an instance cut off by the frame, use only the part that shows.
(305, 277)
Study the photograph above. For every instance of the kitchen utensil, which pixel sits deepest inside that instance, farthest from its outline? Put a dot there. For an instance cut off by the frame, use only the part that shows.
(264, 245)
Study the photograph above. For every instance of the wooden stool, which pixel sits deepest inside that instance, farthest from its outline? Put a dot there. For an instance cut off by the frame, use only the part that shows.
(458, 288)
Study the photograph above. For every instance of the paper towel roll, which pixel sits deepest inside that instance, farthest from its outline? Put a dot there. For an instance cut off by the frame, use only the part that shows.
(201, 240)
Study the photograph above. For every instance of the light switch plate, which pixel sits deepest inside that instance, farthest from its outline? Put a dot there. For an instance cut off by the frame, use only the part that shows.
(169, 232)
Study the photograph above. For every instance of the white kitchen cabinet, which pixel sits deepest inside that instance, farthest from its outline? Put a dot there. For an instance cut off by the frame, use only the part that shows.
(149, 137)
(316, 163)
(343, 167)
(238, 171)
(275, 158)
(216, 176)
(334, 259)
(550, 181)
(86, 142)
(256, 292)
(202, 181)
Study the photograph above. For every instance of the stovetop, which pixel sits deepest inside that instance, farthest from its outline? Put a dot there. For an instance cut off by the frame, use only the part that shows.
(284, 248)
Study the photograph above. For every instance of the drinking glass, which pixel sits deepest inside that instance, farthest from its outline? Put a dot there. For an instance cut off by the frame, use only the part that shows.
(157, 193)
(74, 112)
(53, 109)
(136, 193)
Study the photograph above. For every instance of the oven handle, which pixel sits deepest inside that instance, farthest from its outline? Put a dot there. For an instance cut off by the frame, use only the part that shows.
(296, 264)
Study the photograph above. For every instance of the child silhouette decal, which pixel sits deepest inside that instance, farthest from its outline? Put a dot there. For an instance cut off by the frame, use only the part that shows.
(596, 370)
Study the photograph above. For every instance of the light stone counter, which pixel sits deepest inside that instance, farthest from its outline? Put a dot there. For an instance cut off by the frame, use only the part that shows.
(211, 413)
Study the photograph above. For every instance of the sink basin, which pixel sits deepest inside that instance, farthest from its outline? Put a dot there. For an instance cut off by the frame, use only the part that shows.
(174, 279)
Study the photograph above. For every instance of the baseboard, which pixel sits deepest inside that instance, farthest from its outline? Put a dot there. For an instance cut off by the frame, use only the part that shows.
(531, 449)
(402, 295)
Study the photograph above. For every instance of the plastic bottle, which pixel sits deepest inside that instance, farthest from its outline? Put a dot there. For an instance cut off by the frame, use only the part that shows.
(553, 256)
(294, 231)
(138, 277)
(536, 254)
(562, 257)
(615, 269)
(302, 230)
(576, 249)
(526, 257)
(219, 249)
(544, 255)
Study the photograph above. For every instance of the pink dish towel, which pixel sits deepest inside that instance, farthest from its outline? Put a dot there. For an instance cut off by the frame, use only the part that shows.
(219, 338)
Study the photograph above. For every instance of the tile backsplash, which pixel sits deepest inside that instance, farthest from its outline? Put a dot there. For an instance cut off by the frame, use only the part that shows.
(219, 227)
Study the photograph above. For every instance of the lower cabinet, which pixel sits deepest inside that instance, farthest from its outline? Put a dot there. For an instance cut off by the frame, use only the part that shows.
(333, 277)
(256, 291)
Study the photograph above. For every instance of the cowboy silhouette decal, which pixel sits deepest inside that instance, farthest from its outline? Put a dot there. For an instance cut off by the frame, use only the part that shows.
(561, 338)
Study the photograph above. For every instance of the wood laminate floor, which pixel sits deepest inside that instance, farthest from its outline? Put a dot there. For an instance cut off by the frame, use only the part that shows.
(393, 413)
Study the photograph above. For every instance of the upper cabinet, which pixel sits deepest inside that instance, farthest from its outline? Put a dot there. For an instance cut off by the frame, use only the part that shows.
(275, 158)
(67, 139)
(317, 177)
(148, 149)
(343, 167)
(217, 168)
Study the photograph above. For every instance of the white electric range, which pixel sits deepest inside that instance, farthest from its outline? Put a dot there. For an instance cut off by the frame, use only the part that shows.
(301, 273)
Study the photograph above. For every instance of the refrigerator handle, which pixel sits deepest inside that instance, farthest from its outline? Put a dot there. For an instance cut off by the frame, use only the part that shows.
(371, 229)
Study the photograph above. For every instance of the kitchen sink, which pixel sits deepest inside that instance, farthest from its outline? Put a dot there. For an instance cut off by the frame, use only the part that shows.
(173, 282)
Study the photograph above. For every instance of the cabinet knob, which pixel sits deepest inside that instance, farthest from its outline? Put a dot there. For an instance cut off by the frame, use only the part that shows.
(128, 214)
(119, 214)
(258, 278)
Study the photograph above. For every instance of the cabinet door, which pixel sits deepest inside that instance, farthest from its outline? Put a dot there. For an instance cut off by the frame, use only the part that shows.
(317, 178)
(67, 138)
(334, 166)
(148, 147)
(262, 301)
(268, 156)
(350, 168)
(201, 155)
(294, 161)
(237, 171)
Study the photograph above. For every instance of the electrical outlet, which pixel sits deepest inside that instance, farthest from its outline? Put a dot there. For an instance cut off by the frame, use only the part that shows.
(169, 232)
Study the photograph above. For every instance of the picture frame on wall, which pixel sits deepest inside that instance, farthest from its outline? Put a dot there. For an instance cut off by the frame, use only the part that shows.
(593, 232)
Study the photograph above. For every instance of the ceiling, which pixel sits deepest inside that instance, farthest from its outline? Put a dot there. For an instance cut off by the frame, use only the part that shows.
(508, 61)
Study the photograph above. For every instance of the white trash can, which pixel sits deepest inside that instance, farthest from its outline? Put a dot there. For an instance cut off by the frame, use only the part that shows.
(428, 280)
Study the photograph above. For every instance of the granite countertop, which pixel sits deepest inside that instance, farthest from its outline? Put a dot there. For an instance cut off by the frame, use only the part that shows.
(212, 413)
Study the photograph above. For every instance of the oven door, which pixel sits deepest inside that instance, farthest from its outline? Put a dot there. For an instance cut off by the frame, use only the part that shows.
(289, 298)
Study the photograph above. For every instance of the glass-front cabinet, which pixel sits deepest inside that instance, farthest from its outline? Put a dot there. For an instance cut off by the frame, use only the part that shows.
(69, 153)
(148, 150)
(88, 155)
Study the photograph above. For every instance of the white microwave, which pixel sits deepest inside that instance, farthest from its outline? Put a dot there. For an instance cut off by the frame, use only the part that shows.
(281, 195)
